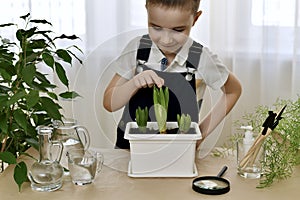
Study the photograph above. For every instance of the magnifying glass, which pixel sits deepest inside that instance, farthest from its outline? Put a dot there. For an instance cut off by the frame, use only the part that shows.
(213, 185)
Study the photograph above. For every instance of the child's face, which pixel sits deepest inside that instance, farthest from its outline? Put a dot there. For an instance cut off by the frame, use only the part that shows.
(169, 28)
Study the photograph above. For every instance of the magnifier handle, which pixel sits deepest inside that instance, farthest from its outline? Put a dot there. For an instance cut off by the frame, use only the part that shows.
(223, 170)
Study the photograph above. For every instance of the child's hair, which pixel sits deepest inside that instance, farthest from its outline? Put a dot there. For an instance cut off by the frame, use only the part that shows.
(192, 5)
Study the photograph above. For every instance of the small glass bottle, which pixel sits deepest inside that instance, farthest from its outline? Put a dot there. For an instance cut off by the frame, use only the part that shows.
(46, 174)
(248, 158)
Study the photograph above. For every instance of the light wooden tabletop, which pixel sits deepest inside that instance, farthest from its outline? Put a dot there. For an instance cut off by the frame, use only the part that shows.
(113, 183)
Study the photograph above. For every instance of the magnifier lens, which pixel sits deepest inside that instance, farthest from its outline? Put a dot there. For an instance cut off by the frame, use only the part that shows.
(211, 184)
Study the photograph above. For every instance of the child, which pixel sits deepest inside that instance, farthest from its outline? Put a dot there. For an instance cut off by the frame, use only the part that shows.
(168, 57)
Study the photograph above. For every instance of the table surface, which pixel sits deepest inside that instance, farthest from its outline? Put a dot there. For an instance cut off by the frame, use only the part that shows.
(113, 183)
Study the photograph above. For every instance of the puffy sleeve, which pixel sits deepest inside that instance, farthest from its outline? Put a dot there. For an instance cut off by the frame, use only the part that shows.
(125, 63)
(211, 70)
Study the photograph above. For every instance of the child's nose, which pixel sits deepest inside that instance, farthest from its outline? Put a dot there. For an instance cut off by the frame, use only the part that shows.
(166, 37)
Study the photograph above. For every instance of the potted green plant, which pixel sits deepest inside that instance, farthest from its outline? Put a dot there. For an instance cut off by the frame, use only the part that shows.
(161, 102)
(184, 122)
(282, 146)
(142, 118)
(159, 150)
(27, 99)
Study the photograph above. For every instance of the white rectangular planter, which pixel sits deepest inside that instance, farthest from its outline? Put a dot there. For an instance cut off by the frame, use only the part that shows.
(162, 155)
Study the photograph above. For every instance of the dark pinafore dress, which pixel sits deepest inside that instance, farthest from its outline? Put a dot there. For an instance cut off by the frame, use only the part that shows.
(182, 91)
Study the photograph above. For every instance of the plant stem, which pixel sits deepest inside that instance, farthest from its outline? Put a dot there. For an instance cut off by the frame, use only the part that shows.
(4, 144)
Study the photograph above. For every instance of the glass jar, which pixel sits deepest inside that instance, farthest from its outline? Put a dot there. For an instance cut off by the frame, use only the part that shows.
(249, 161)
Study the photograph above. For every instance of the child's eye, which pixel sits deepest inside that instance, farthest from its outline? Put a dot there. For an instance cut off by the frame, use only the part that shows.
(157, 28)
(178, 30)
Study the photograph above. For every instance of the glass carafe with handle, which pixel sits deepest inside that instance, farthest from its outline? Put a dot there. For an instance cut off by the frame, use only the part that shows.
(46, 173)
(72, 135)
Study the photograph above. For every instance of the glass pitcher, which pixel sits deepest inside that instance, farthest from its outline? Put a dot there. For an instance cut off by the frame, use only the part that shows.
(46, 174)
(72, 136)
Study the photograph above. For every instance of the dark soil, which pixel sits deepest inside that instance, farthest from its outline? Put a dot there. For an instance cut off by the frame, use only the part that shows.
(151, 131)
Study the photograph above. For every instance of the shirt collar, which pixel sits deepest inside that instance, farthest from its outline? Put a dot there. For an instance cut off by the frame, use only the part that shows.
(180, 57)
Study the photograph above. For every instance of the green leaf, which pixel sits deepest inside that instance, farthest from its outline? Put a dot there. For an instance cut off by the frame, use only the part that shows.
(155, 97)
(64, 55)
(30, 32)
(6, 76)
(3, 100)
(161, 117)
(61, 73)
(37, 44)
(166, 97)
(42, 77)
(8, 24)
(20, 174)
(52, 95)
(44, 33)
(3, 123)
(48, 59)
(28, 73)
(63, 36)
(20, 118)
(69, 95)
(51, 108)
(20, 34)
(137, 116)
(25, 16)
(76, 47)
(40, 21)
(8, 157)
(32, 56)
(141, 116)
(32, 98)
(77, 58)
(162, 98)
(16, 97)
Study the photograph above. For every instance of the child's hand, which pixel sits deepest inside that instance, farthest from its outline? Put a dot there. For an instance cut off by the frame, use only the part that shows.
(148, 78)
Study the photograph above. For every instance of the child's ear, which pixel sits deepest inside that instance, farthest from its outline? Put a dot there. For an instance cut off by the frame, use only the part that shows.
(197, 16)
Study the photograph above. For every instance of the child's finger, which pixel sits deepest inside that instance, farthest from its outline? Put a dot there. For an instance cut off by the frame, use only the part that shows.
(148, 79)
(152, 78)
(158, 80)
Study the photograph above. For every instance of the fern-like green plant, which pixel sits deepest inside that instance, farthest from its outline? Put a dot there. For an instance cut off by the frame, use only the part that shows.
(161, 101)
(141, 117)
(184, 122)
(282, 146)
